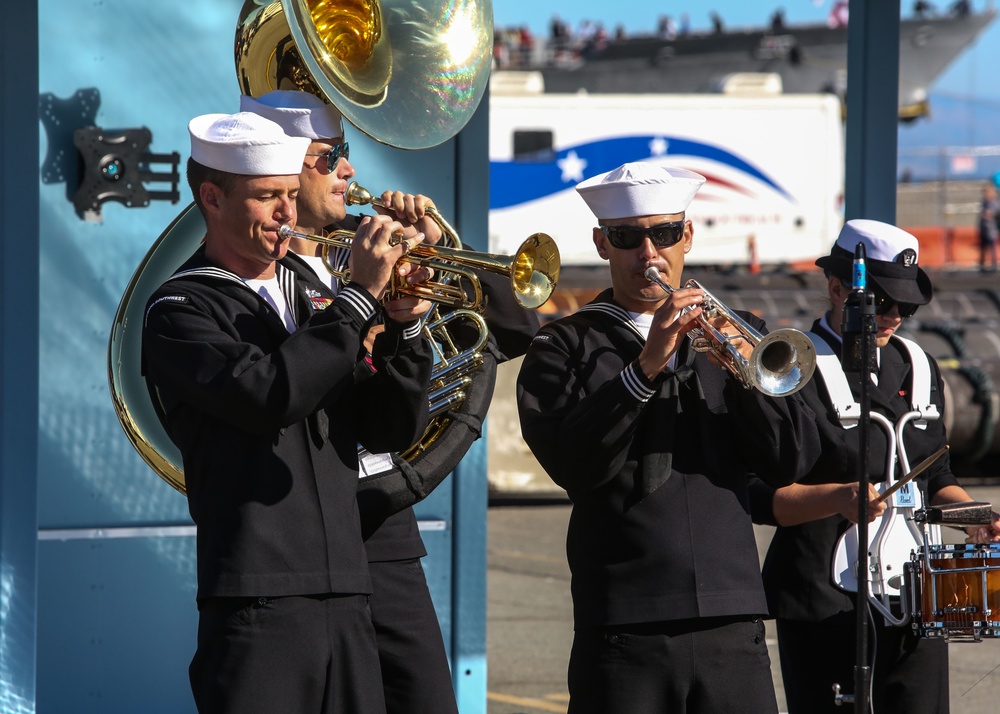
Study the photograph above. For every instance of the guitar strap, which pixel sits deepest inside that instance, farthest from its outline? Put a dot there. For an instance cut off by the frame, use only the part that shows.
(829, 366)
(847, 409)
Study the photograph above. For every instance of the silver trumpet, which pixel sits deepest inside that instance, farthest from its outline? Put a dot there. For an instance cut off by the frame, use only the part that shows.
(781, 363)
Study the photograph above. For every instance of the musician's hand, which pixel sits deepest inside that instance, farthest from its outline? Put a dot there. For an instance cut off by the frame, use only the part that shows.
(723, 325)
(373, 332)
(407, 309)
(985, 534)
(378, 245)
(411, 210)
(848, 498)
(668, 329)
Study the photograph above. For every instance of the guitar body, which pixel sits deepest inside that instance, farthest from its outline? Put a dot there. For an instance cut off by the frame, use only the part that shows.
(891, 539)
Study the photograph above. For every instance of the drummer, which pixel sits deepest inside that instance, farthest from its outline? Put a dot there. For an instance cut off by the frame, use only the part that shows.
(815, 619)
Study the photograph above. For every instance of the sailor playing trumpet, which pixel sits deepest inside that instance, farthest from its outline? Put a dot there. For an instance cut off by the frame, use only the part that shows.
(655, 445)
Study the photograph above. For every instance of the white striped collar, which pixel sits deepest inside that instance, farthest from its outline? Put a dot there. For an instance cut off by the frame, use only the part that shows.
(617, 312)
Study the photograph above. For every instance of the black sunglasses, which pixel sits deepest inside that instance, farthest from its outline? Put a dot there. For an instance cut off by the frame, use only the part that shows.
(628, 237)
(884, 303)
(334, 154)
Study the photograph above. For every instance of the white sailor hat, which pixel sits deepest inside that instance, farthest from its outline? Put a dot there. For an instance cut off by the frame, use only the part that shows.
(298, 113)
(640, 189)
(246, 144)
(891, 257)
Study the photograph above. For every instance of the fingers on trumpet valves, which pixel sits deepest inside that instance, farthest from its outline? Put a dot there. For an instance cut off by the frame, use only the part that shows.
(406, 206)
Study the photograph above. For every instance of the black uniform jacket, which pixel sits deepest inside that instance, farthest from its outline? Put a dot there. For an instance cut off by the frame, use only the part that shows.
(797, 574)
(511, 328)
(657, 472)
(268, 425)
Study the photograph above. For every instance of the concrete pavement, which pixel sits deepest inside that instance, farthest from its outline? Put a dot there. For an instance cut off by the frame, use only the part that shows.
(529, 617)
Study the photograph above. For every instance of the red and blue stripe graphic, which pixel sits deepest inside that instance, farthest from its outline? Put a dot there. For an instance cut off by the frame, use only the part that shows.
(517, 182)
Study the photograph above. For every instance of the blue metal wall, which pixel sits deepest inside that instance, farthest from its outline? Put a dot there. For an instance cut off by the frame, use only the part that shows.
(114, 625)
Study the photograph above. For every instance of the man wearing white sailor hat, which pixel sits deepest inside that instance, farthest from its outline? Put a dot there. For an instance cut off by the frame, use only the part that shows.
(655, 444)
(323, 181)
(809, 568)
(249, 375)
(415, 670)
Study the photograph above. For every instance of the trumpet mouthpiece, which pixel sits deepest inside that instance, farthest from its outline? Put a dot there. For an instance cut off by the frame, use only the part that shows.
(286, 231)
(652, 274)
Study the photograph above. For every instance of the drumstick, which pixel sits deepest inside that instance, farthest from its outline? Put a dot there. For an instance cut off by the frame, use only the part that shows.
(916, 471)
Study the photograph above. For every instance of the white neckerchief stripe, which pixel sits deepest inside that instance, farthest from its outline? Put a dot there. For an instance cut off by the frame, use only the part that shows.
(340, 257)
(286, 281)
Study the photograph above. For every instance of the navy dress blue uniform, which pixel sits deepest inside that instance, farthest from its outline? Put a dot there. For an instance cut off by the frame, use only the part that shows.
(415, 672)
(665, 573)
(268, 424)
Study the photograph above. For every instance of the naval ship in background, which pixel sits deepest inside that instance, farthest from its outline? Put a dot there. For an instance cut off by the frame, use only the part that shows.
(808, 58)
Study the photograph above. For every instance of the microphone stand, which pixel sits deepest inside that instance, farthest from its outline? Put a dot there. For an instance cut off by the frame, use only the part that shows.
(858, 330)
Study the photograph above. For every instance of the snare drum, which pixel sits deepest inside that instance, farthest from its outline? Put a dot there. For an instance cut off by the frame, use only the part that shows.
(955, 591)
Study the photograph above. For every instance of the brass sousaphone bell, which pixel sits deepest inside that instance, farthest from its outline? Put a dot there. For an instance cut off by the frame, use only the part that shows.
(408, 74)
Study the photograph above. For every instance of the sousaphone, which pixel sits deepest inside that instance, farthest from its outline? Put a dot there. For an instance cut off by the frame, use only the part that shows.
(409, 75)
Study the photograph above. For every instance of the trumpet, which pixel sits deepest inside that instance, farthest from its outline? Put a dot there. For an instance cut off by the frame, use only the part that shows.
(533, 270)
(781, 363)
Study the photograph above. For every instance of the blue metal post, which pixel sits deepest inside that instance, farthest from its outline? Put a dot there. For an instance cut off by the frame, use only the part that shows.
(18, 354)
(872, 109)
(470, 495)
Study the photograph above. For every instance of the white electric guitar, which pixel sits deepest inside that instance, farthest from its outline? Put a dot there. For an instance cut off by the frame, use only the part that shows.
(894, 535)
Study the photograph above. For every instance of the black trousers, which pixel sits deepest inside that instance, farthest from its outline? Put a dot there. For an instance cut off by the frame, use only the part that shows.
(303, 654)
(415, 672)
(909, 674)
(704, 666)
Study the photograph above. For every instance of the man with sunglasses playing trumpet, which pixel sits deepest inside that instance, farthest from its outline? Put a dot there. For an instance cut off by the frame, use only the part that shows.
(815, 615)
(415, 671)
(259, 392)
(655, 443)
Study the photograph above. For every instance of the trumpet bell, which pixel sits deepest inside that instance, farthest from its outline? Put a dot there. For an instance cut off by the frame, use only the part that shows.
(782, 362)
(534, 271)
(387, 65)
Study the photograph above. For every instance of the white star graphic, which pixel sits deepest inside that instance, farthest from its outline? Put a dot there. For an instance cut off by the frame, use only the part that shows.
(658, 146)
(572, 167)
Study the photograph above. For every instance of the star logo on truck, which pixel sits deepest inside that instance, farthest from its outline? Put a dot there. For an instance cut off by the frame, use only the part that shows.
(572, 167)
(658, 146)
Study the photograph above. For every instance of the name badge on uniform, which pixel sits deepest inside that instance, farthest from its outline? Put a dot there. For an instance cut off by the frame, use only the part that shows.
(371, 464)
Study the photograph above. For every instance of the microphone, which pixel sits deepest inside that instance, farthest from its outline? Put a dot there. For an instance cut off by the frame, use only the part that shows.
(858, 324)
